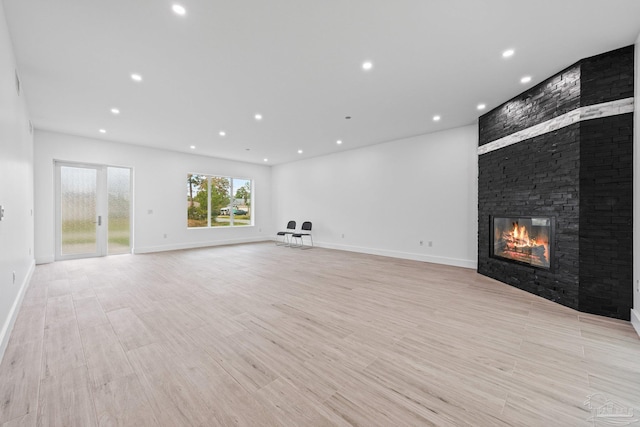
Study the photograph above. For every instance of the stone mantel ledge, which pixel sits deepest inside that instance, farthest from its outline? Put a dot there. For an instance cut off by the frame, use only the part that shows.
(589, 112)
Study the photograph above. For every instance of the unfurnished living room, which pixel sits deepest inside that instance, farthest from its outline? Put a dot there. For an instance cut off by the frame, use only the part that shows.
(319, 213)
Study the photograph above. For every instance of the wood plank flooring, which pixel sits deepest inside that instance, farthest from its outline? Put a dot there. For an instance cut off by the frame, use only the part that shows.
(260, 335)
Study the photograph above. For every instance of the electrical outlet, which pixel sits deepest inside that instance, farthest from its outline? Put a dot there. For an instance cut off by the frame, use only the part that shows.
(1, 212)
(430, 243)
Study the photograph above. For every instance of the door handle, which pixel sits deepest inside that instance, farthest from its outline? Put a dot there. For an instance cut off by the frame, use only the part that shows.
(99, 220)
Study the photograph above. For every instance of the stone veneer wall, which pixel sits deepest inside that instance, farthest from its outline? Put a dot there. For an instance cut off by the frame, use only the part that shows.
(564, 149)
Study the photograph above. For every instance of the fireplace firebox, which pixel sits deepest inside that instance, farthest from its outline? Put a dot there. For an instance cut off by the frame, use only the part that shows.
(523, 240)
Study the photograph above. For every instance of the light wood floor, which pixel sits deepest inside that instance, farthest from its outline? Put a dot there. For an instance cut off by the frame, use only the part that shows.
(264, 335)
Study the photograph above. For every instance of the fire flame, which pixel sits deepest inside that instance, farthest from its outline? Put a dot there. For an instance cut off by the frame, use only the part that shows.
(515, 243)
(520, 235)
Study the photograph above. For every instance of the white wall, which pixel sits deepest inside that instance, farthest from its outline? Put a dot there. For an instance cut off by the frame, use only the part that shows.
(16, 190)
(159, 186)
(635, 313)
(386, 198)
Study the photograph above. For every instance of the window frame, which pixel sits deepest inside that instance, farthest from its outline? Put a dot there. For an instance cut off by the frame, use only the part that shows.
(231, 179)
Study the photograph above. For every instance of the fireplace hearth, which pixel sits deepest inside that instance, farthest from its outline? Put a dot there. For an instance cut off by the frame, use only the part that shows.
(523, 240)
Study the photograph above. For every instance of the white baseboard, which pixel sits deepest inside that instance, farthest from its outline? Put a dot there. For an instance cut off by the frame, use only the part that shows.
(635, 320)
(473, 264)
(194, 245)
(456, 262)
(45, 259)
(5, 333)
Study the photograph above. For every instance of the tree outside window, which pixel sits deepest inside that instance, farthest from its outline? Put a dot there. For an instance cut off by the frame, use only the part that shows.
(209, 201)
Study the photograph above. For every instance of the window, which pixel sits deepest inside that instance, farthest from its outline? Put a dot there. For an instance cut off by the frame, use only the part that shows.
(218, 201)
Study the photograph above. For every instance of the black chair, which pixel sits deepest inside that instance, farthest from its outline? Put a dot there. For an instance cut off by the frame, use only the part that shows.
(291, 228)
(304, 231)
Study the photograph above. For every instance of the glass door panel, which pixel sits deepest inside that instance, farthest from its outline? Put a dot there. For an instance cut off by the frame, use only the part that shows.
(93, 211)
(119, 210)
(78, 211)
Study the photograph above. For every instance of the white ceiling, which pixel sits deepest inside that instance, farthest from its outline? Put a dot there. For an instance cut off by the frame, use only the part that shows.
(297, 62)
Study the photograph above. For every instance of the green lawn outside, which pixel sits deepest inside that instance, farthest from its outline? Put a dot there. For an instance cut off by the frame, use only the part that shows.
(80, 236)
(220, 221)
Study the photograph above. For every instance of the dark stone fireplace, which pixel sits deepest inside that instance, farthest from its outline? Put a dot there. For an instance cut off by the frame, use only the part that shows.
(563, 152)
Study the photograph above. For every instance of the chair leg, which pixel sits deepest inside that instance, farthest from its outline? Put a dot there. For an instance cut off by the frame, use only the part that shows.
(302, 245)
(308, 247)
(284, 242)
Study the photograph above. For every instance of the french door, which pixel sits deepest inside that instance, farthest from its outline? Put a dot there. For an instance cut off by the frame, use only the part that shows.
(93, 210)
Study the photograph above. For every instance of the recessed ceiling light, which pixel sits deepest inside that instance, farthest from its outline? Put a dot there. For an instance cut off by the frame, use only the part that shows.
(436, 118)
(258, 116)
(266, 160)
(481, 106)
(136, 77)
(179, 9)
(339, 142)
(193, 147)
(222, 133)
(115, 111)
(299, 151)
(368, 65)
(508, 53)
(525, 79)
(102, 131)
